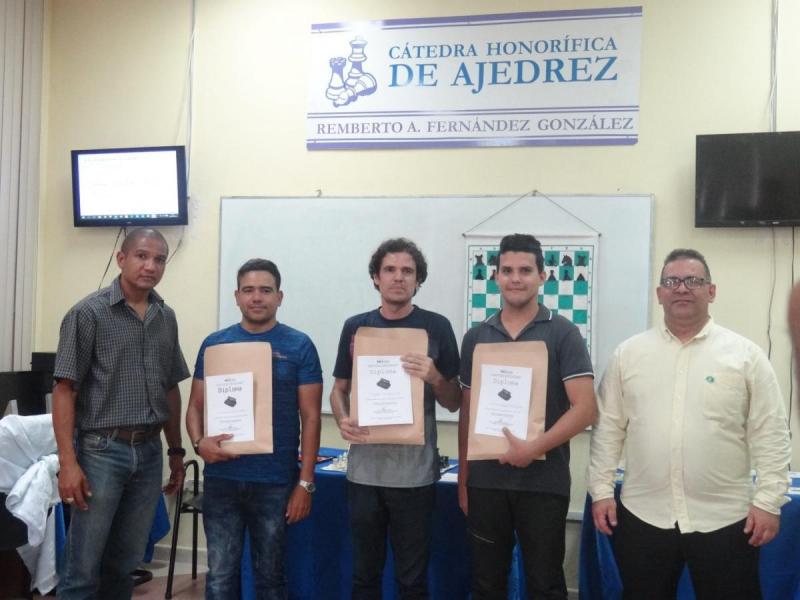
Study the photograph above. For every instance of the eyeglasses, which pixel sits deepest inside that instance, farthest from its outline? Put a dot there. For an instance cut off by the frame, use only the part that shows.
(691, 282)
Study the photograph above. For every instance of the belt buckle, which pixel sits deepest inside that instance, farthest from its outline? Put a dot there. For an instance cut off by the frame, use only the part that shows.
(138, 436)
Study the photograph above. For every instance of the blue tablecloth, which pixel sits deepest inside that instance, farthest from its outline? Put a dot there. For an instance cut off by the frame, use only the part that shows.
(319, 553)
(159, 529)
(780, 560)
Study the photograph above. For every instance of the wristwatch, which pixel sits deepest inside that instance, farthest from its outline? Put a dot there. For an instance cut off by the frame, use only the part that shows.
(177, 451)
(308, 486)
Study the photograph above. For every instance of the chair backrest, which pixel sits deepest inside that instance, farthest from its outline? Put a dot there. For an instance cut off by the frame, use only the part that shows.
(28, 388)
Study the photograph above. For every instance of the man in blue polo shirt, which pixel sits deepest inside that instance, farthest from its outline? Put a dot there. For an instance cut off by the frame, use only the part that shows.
(518, 493)
(260, 492)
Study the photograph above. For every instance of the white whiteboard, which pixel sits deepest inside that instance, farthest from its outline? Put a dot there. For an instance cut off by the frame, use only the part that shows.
(322, 247)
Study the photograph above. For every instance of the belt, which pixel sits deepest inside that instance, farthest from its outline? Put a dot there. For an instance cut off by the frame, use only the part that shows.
(131, 435)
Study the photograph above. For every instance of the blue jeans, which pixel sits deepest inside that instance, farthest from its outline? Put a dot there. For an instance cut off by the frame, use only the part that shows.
(229, 507)
(107, 541)
(406, 515)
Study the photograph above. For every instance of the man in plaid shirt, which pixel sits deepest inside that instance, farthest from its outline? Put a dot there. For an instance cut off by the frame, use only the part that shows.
(117, 371)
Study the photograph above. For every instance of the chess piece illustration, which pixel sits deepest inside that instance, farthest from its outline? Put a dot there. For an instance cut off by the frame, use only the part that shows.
(357, 58)
(358, 82)
(479, 268)
(336, 83)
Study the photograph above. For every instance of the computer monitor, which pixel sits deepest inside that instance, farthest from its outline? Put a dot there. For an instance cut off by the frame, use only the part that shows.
(129, 187)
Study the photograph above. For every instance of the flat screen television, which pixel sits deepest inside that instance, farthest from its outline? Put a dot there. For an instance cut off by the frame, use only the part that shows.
(748, 179)
(124, 187)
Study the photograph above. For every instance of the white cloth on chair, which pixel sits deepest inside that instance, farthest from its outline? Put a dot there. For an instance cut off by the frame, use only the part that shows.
(23, 441)
(41, 560)
(33, 495)
(29, 475)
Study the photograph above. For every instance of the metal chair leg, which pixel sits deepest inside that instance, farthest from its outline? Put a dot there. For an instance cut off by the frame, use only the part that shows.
(195, 514)
(174, 548)
(179, 510)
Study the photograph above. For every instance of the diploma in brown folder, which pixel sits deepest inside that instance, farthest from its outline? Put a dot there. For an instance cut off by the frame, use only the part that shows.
(394, 341)
(512, 354)
(255, 357)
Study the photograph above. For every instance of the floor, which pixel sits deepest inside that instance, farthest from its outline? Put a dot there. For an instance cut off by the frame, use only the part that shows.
(183, 588)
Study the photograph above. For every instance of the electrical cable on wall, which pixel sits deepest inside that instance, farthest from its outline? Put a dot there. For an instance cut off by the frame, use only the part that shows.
(773, 69)
(792, 348)
(189, 106)
(772, 109)
(113, 251)
(771, 297)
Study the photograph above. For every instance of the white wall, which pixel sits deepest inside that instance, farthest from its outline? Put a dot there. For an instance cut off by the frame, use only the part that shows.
(115, 76)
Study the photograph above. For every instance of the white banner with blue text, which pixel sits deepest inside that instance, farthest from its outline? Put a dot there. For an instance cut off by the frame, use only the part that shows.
(554, 78)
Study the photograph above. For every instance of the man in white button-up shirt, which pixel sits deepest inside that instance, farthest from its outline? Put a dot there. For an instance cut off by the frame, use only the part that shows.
(695, 406)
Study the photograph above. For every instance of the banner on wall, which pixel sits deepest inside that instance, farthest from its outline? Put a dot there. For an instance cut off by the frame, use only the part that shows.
(568, 289)
(567, 77)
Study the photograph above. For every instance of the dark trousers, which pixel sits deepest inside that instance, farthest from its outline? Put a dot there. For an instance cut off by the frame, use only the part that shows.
(721, 563)
(405, 513)
(539, 521)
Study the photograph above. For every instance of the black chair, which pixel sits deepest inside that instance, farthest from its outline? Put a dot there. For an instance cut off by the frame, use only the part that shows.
(16, 581)
(28, 388)
(186, 502)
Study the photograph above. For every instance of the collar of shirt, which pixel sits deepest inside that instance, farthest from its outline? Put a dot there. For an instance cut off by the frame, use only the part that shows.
(116, 296)
(668, 335)
(544, 314)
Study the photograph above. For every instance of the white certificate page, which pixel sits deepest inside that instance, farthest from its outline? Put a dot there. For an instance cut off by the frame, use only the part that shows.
(504, 400)
(229, 401)
(384, 391)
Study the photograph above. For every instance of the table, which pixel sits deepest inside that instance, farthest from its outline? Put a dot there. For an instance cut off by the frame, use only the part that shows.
(780, 559)
(319, 552)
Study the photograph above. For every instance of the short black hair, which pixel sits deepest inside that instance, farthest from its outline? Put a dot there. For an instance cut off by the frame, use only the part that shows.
(139, 233)
(523, 242)
(686, 254)
(259, 264)
(399, 245)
